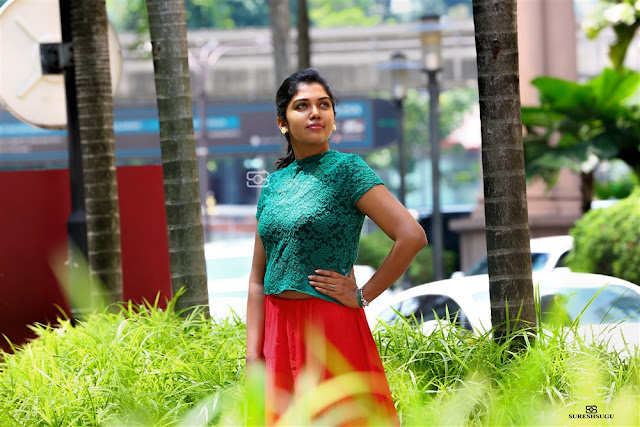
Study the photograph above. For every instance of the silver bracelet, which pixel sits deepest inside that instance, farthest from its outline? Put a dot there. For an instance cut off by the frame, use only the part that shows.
(363, 302)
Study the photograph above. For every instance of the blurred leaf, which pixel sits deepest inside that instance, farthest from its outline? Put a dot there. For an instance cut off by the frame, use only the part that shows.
(624, 36)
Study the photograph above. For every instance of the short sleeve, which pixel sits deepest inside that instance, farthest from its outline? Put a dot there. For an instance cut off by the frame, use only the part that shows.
(360, 178)
(261, 200)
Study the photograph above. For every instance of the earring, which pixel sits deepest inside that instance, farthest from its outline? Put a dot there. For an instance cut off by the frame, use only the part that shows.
(283, 130)
(335, 127)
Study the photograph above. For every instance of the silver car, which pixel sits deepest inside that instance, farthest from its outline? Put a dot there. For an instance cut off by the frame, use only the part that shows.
(612, 311)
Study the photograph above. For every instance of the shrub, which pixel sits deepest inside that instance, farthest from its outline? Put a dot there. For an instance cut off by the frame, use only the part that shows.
(141, 366)
(152, 367)
(375, 246)
(607, 241)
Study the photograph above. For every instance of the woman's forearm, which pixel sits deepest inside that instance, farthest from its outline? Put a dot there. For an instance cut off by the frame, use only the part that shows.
(255, 321)
(402, 253)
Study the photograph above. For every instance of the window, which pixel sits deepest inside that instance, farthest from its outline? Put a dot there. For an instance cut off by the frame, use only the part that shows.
(612, 305)
(424, 306)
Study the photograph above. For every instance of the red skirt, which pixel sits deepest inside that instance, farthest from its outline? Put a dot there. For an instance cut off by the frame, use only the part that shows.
(322, 366)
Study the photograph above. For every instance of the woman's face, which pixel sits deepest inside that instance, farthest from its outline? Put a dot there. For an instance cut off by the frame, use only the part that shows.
(310, 116)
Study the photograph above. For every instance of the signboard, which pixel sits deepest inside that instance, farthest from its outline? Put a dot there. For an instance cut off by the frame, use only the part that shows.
(232, 129)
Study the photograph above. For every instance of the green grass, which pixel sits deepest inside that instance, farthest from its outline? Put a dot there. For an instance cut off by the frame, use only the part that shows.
(146, 366)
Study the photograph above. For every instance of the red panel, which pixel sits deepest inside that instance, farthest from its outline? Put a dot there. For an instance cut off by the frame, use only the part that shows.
(143, 226)
(33, 215)
(34, 207)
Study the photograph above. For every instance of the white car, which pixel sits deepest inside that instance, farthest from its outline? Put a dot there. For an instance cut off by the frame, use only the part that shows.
(615, 311)
(228, 271)
(547, 254)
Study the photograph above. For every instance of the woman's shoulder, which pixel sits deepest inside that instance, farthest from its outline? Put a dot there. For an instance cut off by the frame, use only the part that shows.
(352, 161)
(352, 158)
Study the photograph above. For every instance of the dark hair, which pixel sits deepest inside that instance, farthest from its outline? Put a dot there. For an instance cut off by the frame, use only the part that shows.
(286, 92)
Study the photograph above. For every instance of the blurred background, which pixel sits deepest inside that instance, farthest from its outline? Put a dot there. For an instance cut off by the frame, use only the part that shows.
(373, 53)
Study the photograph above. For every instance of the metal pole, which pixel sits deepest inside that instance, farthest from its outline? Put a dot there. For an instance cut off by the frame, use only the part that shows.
(402, 166)
(202, 150)
(77, 222)
(402, 170)
(434, 137)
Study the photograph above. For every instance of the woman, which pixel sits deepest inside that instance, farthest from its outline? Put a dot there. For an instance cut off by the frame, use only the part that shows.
(305, 315)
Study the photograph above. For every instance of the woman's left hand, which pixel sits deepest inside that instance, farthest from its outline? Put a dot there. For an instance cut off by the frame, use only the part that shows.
(337, 286)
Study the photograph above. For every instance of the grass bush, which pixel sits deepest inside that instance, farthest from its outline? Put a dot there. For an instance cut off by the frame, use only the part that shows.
(141, 366)
(146, 366)
(607, 241)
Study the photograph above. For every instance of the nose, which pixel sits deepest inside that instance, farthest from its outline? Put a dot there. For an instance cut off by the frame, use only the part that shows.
(315, 112)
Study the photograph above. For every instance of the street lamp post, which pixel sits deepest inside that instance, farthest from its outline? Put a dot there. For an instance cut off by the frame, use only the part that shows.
(399, 69)
(399, 81)
(431, 42)
(201, 64)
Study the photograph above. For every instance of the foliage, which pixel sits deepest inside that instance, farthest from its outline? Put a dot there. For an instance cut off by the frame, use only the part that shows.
(623, 16)
(579, 124)
(607, 241)
(147, 366)
(455, 104)
(616, 182)
(131, 15)
(343, 13)
(452, 378)
(375, 246)
(143, 366)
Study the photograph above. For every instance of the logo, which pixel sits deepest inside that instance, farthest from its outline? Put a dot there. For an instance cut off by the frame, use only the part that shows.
(591, 411)
(257, 179)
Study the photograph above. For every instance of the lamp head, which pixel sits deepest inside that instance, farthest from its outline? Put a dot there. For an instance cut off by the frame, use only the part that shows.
(431, 42)
(399, 76)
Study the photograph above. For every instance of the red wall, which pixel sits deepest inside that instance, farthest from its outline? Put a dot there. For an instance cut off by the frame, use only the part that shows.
(34, 207)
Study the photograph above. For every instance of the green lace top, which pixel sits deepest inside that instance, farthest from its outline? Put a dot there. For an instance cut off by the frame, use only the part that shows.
(308, 219)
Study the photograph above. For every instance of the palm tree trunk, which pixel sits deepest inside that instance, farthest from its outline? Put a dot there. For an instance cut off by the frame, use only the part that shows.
(280, 25)
(95, 118)
(168, 30)
(304, 45)
(586, 190)
(505, 190)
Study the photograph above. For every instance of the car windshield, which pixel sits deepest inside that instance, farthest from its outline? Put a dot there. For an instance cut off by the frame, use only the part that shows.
(424, 306)
(613, 304)
(538, 261)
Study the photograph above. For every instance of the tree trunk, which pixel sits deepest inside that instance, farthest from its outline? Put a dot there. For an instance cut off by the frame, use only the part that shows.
(168, 30)
(95, 118)
(505, 190)
(586, 190)
(280, 25)
(304, 44)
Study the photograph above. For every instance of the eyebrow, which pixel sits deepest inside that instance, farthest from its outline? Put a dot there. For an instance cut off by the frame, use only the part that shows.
(305, 99)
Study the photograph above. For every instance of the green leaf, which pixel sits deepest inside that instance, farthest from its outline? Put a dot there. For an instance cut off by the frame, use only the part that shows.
(624, 36)
(539, 116)
(612, 87)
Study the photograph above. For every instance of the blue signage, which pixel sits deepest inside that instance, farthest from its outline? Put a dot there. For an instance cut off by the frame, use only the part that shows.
(230, 129)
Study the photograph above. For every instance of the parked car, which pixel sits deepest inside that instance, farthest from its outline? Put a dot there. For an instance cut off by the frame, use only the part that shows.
(228, 271)
(547, 254)
(614, 310)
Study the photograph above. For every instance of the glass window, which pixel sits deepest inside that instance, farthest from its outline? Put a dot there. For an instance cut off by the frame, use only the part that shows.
(613, 304)
(479, 268)
(424, 306)
(538, 261)
(561, 262)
